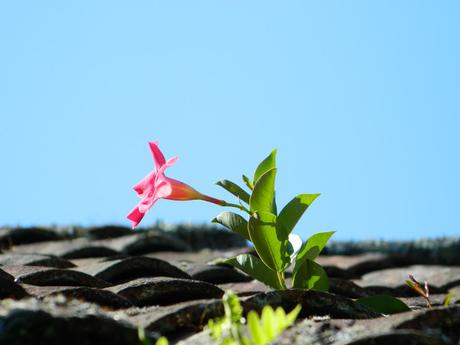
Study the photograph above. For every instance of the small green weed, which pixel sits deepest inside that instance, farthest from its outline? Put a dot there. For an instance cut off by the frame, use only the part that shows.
(230, 329)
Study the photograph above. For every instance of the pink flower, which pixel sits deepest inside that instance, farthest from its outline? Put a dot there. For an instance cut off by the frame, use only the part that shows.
(158, 186)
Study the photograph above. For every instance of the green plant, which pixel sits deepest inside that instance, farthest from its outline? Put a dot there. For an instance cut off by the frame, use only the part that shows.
(384, 304)
(230, 329)
(271, 232)
(447, 298)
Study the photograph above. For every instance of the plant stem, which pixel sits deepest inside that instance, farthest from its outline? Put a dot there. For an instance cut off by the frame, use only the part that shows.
(281, 280)
(241, 207)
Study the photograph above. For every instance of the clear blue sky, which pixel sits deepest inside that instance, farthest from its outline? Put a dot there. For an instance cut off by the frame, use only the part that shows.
(361, 99)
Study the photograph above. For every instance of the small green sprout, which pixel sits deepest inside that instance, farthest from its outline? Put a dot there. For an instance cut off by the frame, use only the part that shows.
(230, 330)
(447, 299)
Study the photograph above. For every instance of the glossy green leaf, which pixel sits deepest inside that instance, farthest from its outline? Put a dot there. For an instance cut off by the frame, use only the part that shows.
(233, 188)
(274, 207)
(266, 165)
(248, 182)
(384, 304)
(314, 245)
(233, 222)
(255, 268)
(310, 275)
(264, 235)
(262, 198)
(293, 211)
(255, 330)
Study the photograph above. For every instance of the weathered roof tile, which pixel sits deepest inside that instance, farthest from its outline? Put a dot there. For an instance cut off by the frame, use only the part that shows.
(46, 276)
(123, 270)
(165, 291)
(103, 291)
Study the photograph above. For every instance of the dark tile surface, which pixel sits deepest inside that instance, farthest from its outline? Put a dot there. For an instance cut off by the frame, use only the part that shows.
(165, 291)
(46, 276)
(130, 268)
(98, 285)
(217, 274)
(9, 288)
(10, 259)
(442, 277)
(314, 303)
(178, 320)
(18, 236)
(101, 297)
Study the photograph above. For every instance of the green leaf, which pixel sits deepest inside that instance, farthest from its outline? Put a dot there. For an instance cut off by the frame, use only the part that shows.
(314, 245)
(268, 322)
(292, 316)
(384, 304)
(162, 341)
(266, 165)
(310, 275)
(262, 198)
(255, 268)
(293, 211)
(142, 338)
(255, 329)
(275, 207)
(232, 306)
(271, 247)
(280, 316)
(234, 222)
(215, 327)
(283, 321)
(248, 182)
(233, 188)
(273, 323)
(448, 297)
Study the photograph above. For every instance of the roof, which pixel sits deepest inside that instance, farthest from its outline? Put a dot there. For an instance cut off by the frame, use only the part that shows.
(75, 285)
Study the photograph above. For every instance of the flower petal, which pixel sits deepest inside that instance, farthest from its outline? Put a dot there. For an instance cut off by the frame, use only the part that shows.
(163, 189)
(156, 186)
(144, 186)
(135, 216)
(147, 203)
(158, 157)
(170, 162)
